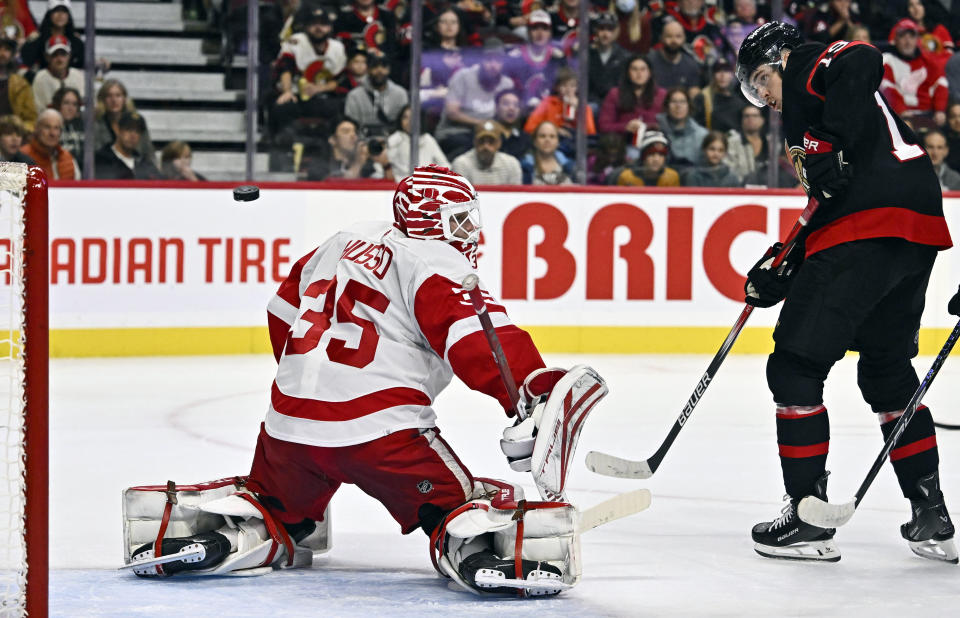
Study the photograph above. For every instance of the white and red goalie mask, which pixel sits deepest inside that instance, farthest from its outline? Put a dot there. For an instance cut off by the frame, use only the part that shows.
(439, 204)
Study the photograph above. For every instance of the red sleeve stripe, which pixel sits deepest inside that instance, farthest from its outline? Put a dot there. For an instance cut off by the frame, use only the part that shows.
(913, 448)
(887, 222)
(816, 65)
(282, 309)
(461, 328)
(799, 452)
(316, 410)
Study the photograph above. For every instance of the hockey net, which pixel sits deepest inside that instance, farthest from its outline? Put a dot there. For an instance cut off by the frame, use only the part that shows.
(23, 390)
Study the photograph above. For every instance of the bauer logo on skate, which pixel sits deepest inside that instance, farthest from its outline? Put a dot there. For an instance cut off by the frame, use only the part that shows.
(153, 271)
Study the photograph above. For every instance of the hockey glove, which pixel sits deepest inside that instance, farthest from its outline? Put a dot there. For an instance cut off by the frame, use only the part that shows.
(518, 440)
(824, 167)
(766, 287)
(954, 306)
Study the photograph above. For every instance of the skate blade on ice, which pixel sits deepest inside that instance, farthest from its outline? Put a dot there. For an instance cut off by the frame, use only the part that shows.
(143, 562)
(608, 465)
(824, 551)
(822, 514)
(537, 582)
(945, 551)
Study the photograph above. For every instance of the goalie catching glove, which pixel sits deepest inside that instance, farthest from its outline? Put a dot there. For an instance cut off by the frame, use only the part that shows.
(827, 173)
(765, 287)
(555, 403)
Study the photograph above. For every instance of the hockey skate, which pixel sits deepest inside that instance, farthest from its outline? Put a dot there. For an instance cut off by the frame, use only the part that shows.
(193, 553)
(790, 538)
(930, 531)
(498, 575)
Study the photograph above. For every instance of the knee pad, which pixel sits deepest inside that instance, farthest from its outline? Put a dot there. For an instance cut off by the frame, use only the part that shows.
(794, 380)
(500, 527)
(886, 384)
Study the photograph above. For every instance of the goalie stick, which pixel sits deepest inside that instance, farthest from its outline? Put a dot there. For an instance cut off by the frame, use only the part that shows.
(610, 465)
(822, 514)
(469, 285)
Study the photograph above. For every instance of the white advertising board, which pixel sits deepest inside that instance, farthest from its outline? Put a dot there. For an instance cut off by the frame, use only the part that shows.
(182, 258)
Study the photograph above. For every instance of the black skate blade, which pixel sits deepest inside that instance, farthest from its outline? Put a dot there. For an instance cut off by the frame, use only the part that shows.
(825, 551)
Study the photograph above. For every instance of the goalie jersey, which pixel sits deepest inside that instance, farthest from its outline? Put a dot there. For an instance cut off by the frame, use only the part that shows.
(893, 190)
(369, 327)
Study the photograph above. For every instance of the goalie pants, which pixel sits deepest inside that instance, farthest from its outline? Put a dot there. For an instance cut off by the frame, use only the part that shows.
(868, 296)
(404, 471)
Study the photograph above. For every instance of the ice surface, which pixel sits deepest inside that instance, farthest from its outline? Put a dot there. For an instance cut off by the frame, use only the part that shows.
(122, 422)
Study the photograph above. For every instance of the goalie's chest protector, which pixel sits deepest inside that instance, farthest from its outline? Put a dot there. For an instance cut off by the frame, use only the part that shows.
(893, 190)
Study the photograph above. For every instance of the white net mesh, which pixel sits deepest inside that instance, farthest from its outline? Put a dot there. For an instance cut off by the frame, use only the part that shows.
(13, 565)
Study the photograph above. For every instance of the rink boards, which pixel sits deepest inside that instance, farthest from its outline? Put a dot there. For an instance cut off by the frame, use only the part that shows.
(153, 270)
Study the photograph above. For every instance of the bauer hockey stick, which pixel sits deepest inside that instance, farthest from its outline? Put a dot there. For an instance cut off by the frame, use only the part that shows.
(822, 514)
(469, 285)
(609, 465)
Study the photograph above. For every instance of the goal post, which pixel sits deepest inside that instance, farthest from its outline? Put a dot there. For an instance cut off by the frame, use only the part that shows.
(24, 391)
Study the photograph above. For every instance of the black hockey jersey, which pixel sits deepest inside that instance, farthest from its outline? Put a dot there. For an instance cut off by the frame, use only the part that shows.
(893, 191)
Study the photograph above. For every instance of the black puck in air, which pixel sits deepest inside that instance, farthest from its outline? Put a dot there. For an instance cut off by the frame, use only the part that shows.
(246, 193)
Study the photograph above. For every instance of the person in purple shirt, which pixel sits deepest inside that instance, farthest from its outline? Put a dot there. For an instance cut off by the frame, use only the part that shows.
(632, 106)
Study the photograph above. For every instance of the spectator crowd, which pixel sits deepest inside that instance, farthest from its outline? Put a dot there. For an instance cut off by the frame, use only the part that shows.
(498, 89)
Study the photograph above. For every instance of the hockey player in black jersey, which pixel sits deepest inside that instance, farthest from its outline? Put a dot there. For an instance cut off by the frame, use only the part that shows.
(858, 283)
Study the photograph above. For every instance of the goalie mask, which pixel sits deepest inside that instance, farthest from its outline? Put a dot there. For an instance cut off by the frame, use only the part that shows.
(437, 203)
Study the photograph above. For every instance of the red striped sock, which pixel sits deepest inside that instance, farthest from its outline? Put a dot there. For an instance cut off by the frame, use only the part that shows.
(915, 454)
(803, 435)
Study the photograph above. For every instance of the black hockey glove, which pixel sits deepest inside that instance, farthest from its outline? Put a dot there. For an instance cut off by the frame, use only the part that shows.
(766, 287)
(954, 306)
(827, 173)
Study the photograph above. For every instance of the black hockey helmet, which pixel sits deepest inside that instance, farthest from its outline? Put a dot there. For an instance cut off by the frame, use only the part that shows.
(763, 47)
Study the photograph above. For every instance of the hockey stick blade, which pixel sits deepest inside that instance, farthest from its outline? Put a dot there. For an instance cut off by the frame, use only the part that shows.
(609, 465)
(822, 514)
(615, 508)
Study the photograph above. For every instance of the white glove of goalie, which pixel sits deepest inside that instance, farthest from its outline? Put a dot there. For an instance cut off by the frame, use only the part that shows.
(518, 439)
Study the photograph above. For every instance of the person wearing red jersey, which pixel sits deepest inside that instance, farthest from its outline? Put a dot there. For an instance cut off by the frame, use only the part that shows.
(858, 282)
(367, 329)
(913, 82)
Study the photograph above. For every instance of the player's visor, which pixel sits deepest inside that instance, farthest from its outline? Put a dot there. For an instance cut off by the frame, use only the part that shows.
(461, 221)
(753, 81)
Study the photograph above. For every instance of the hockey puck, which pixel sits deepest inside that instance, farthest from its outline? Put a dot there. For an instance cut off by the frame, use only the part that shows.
(246, 193)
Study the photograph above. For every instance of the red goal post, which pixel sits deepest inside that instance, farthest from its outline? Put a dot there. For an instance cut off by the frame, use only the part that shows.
(24, 392)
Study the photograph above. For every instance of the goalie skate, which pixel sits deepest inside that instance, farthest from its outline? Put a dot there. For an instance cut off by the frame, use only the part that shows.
(497, 575)
(193, 553)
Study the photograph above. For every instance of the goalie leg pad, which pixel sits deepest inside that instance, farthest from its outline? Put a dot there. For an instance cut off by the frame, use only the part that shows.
(500, 543)
(219, 527)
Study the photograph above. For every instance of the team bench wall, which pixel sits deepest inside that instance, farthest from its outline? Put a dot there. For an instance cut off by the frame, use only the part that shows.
(150, 269)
